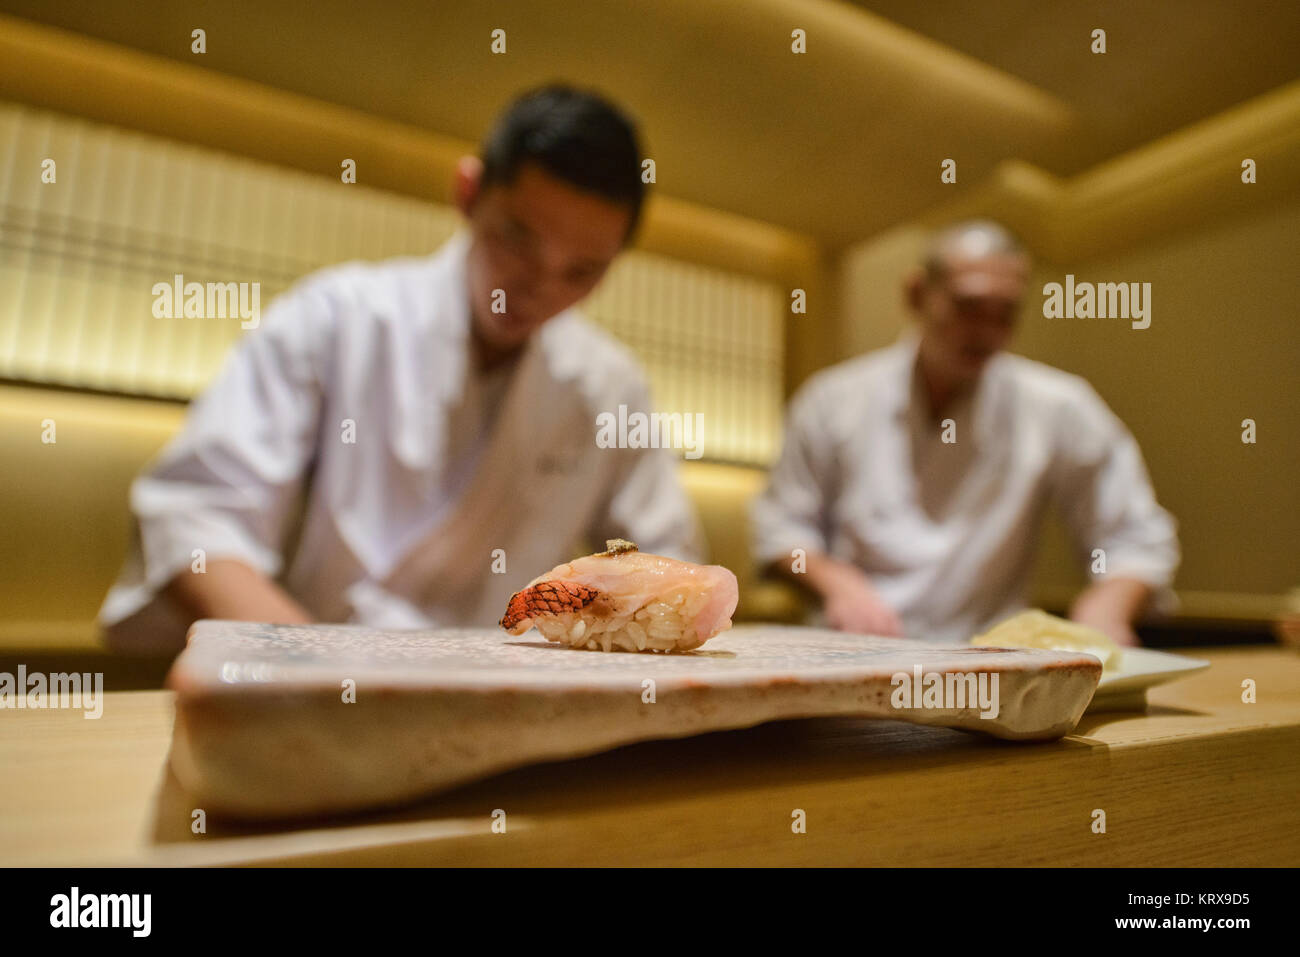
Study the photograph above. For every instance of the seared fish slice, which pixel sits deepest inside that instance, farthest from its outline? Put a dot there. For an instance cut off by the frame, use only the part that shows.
(622, 599)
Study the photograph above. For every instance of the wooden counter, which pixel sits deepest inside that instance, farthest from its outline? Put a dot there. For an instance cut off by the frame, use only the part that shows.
(1200, 779)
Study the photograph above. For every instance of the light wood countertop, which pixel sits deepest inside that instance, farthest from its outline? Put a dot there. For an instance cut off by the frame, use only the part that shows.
(1201, 778)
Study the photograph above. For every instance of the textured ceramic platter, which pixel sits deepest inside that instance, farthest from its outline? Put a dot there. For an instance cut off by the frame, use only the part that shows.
(263, 727)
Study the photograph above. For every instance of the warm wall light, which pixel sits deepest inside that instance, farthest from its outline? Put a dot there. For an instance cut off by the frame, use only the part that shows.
(130, 211)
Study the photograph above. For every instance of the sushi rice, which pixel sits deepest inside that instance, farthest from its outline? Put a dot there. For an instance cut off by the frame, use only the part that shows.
(657, 626)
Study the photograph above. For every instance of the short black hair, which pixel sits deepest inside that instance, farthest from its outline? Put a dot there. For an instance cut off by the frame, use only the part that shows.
(575, 135)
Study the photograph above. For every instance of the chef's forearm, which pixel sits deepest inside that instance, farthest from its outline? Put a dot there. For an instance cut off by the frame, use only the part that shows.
(1113, 600)
(820, 573)
(231, 589)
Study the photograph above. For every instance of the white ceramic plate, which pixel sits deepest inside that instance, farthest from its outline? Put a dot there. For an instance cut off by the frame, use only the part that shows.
(1140, 669)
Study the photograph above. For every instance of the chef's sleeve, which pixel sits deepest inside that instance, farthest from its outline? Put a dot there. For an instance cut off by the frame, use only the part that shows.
(1104, 494)
(791, 511)
(646, 502)
(226, 484)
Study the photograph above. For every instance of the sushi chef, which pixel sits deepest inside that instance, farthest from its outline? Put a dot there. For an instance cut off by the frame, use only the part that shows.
(404, 443)
(913, 480)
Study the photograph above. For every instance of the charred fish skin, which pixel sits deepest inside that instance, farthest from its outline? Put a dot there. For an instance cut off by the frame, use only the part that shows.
(625, 600)
(546, 598)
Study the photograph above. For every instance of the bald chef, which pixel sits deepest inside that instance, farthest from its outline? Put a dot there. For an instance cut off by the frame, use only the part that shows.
(913, 481)
(424, 437)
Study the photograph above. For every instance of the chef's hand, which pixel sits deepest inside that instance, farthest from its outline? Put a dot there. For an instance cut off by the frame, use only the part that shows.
(1287, 626)
(1120, 631)
(860, 609)
(1111, 606)
(850, 600)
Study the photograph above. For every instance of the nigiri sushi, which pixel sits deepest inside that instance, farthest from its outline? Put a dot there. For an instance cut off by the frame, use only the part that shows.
(623, 599)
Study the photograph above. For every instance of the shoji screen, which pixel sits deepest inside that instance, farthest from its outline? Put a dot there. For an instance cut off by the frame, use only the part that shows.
(79, 258)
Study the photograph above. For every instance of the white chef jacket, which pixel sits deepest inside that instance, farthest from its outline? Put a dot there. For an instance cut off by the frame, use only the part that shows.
(946, 532)
(357, 400)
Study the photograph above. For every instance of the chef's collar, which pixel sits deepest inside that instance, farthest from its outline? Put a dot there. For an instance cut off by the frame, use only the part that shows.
(446, 315)
(908, 397)
(453, 257)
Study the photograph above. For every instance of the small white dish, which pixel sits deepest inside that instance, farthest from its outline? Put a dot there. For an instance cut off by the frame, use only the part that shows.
(1140, 668)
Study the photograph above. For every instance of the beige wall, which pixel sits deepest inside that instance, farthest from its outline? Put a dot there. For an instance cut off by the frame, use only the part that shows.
(870, 289)
(1222, 347)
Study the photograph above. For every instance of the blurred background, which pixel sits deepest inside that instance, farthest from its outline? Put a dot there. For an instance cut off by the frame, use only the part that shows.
(775, 171)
